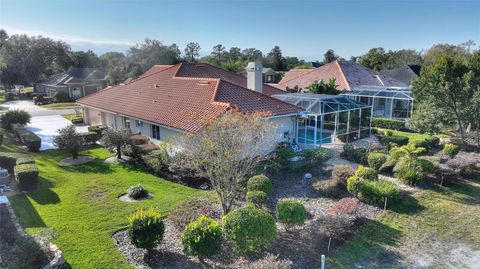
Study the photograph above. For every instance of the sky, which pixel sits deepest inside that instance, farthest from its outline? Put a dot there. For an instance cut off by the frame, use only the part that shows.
(305, 29)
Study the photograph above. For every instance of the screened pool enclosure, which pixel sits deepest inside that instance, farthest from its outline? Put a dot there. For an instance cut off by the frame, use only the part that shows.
(394, 103)
(327, 118)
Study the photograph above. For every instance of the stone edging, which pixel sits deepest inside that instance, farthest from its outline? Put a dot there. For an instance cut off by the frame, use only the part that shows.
(58, 261)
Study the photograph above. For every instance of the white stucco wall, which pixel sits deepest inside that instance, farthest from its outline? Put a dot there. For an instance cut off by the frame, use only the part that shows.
(284, 124)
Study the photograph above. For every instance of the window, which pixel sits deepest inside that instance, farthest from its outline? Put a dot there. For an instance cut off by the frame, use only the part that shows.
(126, 123)
(139, 123)
(156, 132)
(269, 78)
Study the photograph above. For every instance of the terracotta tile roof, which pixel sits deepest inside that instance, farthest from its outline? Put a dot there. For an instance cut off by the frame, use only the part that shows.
(156, 68)
(183, 96)
(348, 75)
(293, 73)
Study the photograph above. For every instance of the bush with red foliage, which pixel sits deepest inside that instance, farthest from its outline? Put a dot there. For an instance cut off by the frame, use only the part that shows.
(344, 206)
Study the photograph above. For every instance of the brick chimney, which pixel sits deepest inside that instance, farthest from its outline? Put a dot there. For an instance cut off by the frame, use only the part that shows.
(254, 76)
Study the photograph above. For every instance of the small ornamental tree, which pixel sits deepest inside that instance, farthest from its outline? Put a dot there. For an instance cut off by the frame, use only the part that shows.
(249, 228)
(15, 116)
(69, 139)
(145, 228)
(202, 237)
(291, 212)
(116, 140)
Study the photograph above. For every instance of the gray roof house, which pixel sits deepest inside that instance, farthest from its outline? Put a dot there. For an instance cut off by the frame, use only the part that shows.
(76, 82)
(403, 74)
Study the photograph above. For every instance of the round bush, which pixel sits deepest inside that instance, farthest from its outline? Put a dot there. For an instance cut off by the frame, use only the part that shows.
(249, 229)
(421, 144)
(427, 166)
(366, 173)
(340, 173)
(432, 141)
(145, 228)
(451, 150)
(291, 212)
(137, 192)
(257, 198)
(410, 171)
(376, 160)
(260, 183)
(353, 184)
(375, 192)
(202, 237)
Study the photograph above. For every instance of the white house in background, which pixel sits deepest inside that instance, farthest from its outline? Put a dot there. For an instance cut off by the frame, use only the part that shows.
(171, 99)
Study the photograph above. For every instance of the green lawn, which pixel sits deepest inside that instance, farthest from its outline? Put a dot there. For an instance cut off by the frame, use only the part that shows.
(71, 116)
(61, 105)
(81, 204)
(450, 215)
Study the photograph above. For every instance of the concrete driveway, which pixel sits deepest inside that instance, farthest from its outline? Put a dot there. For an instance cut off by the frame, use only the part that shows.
(44, 122)
(34, 110)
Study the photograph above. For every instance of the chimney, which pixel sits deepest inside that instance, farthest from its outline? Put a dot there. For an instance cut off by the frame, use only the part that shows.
(254, 76)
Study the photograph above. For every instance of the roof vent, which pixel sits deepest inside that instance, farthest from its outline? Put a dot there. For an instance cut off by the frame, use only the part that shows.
(203, 82)
(155, 85)
(154, 101)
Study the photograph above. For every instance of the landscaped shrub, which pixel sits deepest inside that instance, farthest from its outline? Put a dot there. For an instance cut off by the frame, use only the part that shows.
(77, 120)
(366, 173)
(451, 150)
(158, 160)
(97, 129)
(427, 166)
(388, 166)
(387, 123)
(315, 157)
(410, 171)
(30, 139)
(191, 210)
(396, 139)
(8, 160)
(249, 229)
(257, 198)
(15, 116)
(137, 192)
(291, 212)
(269, 262)
(202, 237)
(344, 206)
(353, 184)
(374, 130)
(24, 159)
(340, 173)
(145, 228)
(282, 158)
(432, 141)
(62, 97)
(260, 183)
(376, 160)
(26, 176)
(358, 155)
(328, 187)
(421, 144)
(89, 137)
(375, 192)
(69, 139)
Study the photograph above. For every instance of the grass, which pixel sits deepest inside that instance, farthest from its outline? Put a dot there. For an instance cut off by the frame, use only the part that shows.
(81, 204)
(71, 116)
(61, 105)
(448, 214)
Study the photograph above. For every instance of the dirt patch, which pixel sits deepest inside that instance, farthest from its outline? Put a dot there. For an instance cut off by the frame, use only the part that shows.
(125, 198)
(95, 194)
(78, 161)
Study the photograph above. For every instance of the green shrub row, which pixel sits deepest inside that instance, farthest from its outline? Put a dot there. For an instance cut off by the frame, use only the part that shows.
(9, 160)
(399, 140)
(26, 176)
(30, 139)
(387, 123)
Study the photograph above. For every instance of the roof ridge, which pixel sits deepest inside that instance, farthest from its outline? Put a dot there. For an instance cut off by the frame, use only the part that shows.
(342, 74)
(301, 75)
(143, 75)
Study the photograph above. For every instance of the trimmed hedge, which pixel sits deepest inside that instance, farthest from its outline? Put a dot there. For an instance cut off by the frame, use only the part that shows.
(375, 192)
(77, 120)
(26, 176)
(260, 183)
(357, 155)
(30, 139)
(376, 160)
(97, 129)
(366, 173)
(24, 159)
(399, 140)
(387, 123)
(451, 150)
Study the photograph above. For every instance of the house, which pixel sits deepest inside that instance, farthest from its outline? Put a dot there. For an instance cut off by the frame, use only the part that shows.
(404, 74)
(76, 82)
(268, 75)
(167, 101)
(389, 97)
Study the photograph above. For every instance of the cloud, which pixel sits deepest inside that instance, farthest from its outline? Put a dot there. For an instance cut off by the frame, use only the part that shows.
(71, 39)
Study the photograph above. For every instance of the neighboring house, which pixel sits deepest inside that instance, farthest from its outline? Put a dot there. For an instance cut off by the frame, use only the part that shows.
(389, 97)
(169, 100)
(268, 75)
(76, 82)
(404, 74)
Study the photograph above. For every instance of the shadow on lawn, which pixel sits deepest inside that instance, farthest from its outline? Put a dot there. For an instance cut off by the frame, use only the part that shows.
(465, 192)
(27, 214)
(95, 166)
(408, 205)
(44, 195)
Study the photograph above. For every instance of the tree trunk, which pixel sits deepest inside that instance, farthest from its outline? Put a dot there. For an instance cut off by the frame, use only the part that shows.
(74, 155)
(119, 152)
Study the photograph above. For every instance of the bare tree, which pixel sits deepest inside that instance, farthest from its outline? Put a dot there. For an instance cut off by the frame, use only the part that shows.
(226, 151)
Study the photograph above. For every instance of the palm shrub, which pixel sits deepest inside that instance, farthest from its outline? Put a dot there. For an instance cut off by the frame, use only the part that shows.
(145, 228)
(260, 183)
(249, 229)
(257, 198)
(450, 150)
(376, 160)
(202, 237)
(410, 171)
(15, 116)
(291, 212)
(137, 192)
